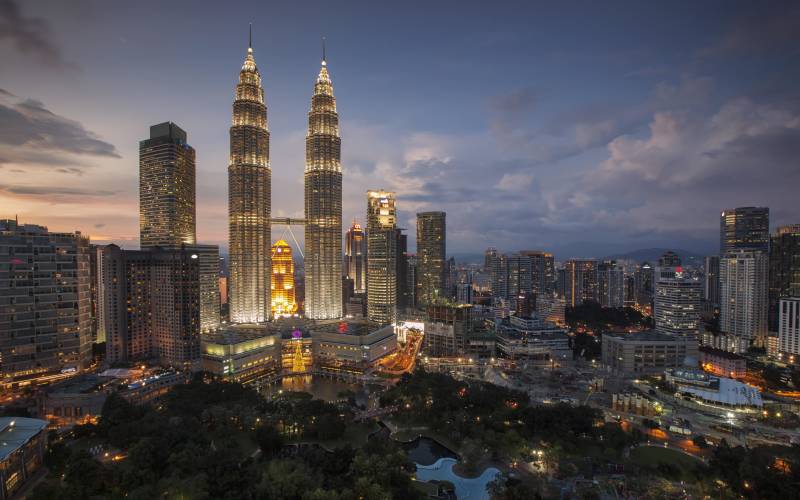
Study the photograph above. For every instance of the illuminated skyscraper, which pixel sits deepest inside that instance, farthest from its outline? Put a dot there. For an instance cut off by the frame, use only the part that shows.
(283, 294)
(784, 269)
(323, 204)
(744, 228)
(355, 257)
(431, 256)
(166, 188)
(249, 191)
(381, 257)
(45, 310)
(580, 281)
(743, 278)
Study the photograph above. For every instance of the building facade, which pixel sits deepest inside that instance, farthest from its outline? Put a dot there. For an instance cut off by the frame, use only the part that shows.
(610, 284)
(447, 327)
(323, 204)
(166, 188)
(284, 302)
(784, 269)
(431, 256)
(543, 269)
(151, 304)
(45, 302)
(646, 352)
(744, 294)
(249, 200)
(744, 228)
(711, 280)
(580, 281)
(677, 305)
(355, 257)
(381, 257)
(789, 328)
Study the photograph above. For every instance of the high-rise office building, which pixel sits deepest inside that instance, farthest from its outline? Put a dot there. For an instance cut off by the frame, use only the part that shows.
(355, 257)
(497, 266)
(431, 256)
(45, 302)
(744, 228)
(784, 268)
(249, 204)
(610, 284)
(381, 257)
(208, 260)
(789, 327)
(152, 303)
(447, 327)
(711, 280)
(520, 277)
(580, 281)
(743, 295)
(411, 280)
(644, 280)
(401, 273)
(323, 204)
(282, 282)
(488, 258)
(677, 303)
(543, 267)
(166, 188)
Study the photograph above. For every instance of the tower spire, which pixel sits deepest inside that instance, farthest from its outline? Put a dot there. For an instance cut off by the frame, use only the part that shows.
(250, 37)
(323, 52)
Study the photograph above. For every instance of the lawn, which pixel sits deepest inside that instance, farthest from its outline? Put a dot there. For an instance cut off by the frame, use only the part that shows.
(652, 456)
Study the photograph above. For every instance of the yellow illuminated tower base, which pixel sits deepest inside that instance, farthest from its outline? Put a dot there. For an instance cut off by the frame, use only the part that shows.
(283, 296)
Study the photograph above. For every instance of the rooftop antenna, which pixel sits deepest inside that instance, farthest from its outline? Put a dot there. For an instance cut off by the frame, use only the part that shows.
(323, 50)
(250, 38)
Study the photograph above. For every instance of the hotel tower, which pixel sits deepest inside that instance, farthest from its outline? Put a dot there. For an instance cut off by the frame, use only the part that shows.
(323, 204)
(249, 191)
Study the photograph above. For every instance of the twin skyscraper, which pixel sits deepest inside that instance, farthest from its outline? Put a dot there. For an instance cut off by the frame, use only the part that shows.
(250, 208)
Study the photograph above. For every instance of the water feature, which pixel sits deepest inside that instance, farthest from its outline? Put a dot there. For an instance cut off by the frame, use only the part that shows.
(470, 488)
(319, 387)
(426, 451)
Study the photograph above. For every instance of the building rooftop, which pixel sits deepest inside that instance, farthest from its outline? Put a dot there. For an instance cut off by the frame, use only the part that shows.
(81, 384)
(719, 353)
(647, 336)
(16, 431)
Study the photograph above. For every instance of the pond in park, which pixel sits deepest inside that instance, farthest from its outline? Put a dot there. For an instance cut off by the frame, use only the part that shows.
(470, 488)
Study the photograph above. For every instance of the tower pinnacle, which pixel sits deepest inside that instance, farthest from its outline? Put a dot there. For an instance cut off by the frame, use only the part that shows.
(323, 52)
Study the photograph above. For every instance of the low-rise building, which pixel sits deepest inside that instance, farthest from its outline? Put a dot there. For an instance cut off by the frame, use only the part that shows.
(722, 363)
(350, 348)
(22, 447)
(248, 354)
(718, 391)
(80, 399)
(532, 339)
(647, 352)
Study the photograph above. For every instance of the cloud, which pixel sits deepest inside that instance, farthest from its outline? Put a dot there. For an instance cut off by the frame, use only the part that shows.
(689, 166)
(60, 194)
(30, 133)
(30, 35)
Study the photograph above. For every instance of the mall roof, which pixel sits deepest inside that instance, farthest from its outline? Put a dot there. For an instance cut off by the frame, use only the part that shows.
(16, 431)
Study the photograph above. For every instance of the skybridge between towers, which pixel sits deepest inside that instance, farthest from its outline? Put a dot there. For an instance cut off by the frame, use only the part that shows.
(289, 222)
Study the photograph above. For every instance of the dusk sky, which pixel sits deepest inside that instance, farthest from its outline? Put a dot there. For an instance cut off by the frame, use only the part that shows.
(585, 128)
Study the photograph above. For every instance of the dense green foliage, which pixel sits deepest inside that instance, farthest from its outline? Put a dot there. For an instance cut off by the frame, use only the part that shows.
(760, 472)
(596, 318)
(223, 441)
(484, 421)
